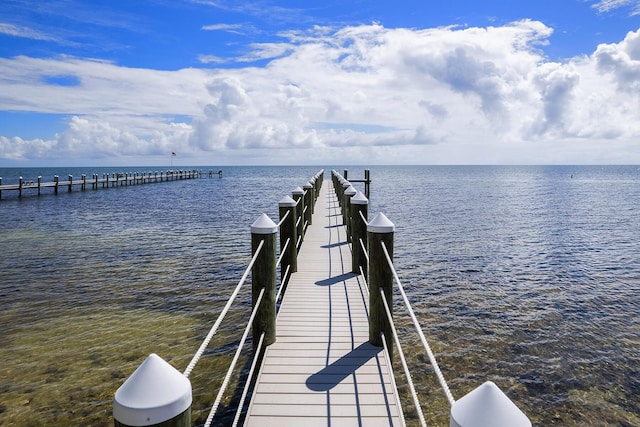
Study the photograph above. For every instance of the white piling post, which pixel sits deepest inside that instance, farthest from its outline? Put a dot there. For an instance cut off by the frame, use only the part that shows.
(155, 394)
(487, 406)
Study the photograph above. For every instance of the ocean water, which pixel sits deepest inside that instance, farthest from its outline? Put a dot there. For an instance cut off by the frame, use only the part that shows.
(525, 276)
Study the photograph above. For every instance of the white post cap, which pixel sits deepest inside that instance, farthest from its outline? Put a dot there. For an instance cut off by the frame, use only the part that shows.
(359, 199)
(346, 184)
(487, 406)
(286, 202)
(308, 185)
(156, 392)
(297, 191)
(350, 191)
(264, 225)
(380, 224)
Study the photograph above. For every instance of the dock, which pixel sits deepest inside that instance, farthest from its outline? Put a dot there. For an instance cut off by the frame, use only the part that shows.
(95, 181)
(322, 354)
(322, 370)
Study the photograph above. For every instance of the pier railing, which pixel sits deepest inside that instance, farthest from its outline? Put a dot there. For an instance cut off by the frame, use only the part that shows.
(372, 255)
(156, 393)
(97, 181)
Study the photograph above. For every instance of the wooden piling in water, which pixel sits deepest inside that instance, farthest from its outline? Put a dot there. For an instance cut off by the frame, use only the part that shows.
(348, 194)
(308, 201)
(359, 210)
(288, 231)
(263, 275)
(298, 196)
(379, 230)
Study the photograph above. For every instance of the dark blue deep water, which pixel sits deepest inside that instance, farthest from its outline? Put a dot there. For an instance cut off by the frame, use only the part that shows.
(525, 276)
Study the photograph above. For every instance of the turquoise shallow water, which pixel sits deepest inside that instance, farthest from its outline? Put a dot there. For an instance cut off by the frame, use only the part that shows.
(526, 276)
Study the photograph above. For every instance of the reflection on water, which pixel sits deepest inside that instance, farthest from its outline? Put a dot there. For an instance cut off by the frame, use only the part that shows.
(528, 277)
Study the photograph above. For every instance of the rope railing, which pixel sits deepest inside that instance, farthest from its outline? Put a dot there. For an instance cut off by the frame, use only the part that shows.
(427, 348)
(364, 252)
(285, 275)
(216, 325)
(227, 377)
(264, 233)
(283, 251)
(393, 379)
(363, 218)
(407, 373)
(254, 363)
(283, 219)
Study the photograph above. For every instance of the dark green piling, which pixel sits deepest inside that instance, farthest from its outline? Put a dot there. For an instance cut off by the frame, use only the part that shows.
(380, 230)
(288, 231)
(263, 275)
(359, 205)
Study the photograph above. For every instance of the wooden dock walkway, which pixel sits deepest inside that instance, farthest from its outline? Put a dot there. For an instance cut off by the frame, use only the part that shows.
(322, 371)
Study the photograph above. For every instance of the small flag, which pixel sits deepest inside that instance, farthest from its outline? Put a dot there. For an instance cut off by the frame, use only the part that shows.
(173, 153)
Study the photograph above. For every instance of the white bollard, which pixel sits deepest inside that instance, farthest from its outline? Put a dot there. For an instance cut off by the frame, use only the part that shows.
(487, 406)
(155, 393)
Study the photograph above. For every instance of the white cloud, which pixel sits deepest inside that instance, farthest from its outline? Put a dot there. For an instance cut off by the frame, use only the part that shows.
(604, 6)
(440, 95)
(239, 29)
(25, 32)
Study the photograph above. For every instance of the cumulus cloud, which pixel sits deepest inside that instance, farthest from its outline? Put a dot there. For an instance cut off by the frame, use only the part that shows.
(622, 61)
(410, 95)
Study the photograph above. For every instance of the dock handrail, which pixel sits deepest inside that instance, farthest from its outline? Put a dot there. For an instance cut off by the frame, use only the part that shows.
(263, 235)
(503, 412)
(232, 366)
(222, 315)
(416, 324)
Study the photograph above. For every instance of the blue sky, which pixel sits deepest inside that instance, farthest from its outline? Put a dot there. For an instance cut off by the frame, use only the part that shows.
(283, 82)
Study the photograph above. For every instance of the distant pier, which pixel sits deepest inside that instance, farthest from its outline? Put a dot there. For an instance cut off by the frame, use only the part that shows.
(97, 181)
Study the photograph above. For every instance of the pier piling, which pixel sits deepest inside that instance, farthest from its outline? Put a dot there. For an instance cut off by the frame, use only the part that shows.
(263, 275)
(380, 230)
(359, 214)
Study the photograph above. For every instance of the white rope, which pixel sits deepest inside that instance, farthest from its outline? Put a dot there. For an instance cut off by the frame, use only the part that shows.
(414, 395)
(298, 242)
(216, 325)
(283, 218)
(364, 279)
(393, 380)
(282, 282)
(432, 357)
(363, 218)
(364, 250)
(227, 377)
(282, 252)
(249, 377)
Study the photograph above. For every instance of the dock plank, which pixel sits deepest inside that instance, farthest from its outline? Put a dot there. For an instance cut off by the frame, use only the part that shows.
(321, 370)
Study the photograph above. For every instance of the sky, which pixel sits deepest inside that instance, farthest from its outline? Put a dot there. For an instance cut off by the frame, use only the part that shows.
(362, 82)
